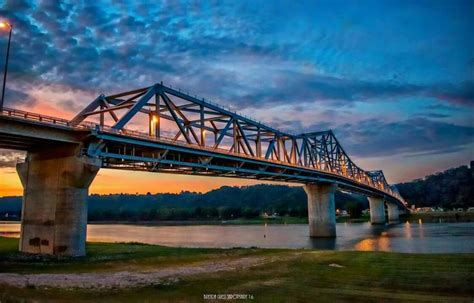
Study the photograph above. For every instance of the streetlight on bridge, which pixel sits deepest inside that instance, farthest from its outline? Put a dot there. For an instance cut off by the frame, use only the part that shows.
(154, 125)
(5, 25)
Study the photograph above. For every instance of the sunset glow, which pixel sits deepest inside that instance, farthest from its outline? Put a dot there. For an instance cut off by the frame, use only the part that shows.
(398, 108)
(250, 150)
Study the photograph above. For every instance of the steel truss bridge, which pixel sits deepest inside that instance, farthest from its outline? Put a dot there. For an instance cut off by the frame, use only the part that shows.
(190, 135)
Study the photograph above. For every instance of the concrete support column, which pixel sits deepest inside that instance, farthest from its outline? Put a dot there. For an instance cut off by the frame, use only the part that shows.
(55, 188)
(321, 209)
(377, 210)
(393, 213)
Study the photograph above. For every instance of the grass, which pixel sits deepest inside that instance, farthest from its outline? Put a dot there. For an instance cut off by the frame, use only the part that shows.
(364, 277)
(104, 257)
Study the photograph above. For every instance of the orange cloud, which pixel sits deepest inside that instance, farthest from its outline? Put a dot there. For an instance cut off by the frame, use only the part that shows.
(117, 181)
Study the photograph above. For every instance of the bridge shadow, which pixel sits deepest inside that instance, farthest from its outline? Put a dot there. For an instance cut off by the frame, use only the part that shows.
(377, 230)
(322, 243)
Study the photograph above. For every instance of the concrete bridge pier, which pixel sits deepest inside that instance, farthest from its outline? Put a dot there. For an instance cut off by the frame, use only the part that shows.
(55, 188)
(377, 210)
(321, 210)
(393, 213)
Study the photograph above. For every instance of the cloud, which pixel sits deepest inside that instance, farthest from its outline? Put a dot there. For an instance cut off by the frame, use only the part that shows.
(17, 97)
(434, 115)
(296, 87)
(462, 93)
(254, 59)
(20, 5)
(222, 53)
(418, 136)
(9, 158)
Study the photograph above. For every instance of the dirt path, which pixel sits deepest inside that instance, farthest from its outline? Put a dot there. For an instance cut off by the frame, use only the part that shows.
(125, 279)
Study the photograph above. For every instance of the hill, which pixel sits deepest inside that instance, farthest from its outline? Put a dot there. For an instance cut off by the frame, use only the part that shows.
(452, 188)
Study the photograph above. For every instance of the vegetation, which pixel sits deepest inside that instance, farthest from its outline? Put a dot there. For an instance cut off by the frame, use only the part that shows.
(308, 276)
(225, 203)
(453, 188)
(437, 217)
(107, 257)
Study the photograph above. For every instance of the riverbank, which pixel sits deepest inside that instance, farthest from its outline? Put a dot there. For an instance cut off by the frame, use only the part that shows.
(442, 217)
(137, 272)
(239, 221)
(425, 217)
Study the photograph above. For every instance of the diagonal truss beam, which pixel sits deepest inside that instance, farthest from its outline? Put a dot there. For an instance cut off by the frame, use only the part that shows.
(135, 108)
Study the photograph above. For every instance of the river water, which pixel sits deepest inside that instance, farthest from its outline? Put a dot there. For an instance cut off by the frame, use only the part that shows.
(404, 237)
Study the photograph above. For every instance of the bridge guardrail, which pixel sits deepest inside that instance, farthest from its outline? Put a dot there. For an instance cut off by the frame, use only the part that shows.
(94, 126)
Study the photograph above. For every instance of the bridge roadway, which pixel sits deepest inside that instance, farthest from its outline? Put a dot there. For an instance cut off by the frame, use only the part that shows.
(64, 157)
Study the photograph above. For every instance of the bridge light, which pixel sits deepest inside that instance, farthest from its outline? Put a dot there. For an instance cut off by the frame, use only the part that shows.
(154, 122)
(5, 25)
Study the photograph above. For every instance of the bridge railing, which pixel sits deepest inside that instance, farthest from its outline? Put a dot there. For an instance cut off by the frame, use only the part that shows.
(34, 117)
(107, 129)
(31, 116)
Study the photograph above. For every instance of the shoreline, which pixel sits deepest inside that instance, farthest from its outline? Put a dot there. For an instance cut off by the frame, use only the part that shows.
(429, 217)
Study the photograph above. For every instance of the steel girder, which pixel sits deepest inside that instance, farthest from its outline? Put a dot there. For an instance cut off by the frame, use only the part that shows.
(232, 133)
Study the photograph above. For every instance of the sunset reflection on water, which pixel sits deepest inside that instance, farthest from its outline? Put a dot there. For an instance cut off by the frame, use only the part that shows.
(404, 237)
(382, 243)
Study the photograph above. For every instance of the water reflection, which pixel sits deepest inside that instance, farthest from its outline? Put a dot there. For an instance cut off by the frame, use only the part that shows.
(408, 230)
(378, 244)
(421, 230)
(405, 237)
(9, 230)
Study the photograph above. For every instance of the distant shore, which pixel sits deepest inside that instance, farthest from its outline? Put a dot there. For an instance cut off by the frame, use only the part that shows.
(425, 217)
(239, 221)
(441, 217)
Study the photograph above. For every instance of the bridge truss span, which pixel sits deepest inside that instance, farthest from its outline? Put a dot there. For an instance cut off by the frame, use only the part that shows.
(189, 135)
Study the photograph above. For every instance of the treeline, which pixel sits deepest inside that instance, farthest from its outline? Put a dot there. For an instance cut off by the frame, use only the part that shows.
(453, 188)
(224, 203)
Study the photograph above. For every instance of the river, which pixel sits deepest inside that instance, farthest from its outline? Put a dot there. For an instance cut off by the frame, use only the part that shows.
(404, 237)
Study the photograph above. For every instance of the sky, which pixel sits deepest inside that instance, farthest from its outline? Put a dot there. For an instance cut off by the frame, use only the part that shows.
(393, 79)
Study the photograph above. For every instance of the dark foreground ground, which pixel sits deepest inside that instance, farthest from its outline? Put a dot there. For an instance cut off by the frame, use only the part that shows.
(148, 273)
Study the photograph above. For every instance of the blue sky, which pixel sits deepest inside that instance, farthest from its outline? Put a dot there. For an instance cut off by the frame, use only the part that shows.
(394, 79)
